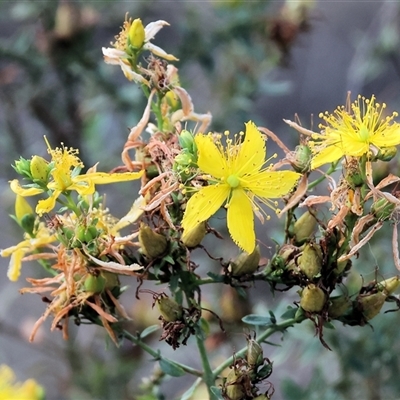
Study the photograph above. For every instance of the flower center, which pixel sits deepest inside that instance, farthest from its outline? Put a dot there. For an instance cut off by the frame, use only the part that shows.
(364, 133)
(233, 181)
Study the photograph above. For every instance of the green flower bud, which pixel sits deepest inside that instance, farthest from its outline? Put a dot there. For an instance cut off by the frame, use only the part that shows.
(389, 286)
(95, 284)
(152, 243)
(301, 159)
(338, 305)
(245, 263)
(312, 298)
(136, 34)
(382, 209)
(304, 227)
(23, 167)
(310, 260)
(371, 304)
(39, 169)
(341, 266)
(255, 355)
(386, 153)
(184, 159)
(194, 237)
(170, 310)
(186, 140)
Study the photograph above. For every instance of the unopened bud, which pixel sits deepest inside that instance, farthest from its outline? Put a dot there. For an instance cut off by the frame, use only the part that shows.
(341, 266)
(172, 100)
(136, 34)
(310, 260)
(386, 153)
(371, 304)
(245, 263)
(255, 355)
(338, 305)
(301, 160)
(169, 309)
(39, 168)
(23, 167)
(152, 243)
(312, 298)
(389, 286)
(382, 209)
(193, 237)
(304, 227)
(186, 140)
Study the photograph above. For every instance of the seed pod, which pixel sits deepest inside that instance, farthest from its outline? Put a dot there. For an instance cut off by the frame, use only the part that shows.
(186, 140)
(169, 309)
(338, 305)
(255, 355)
(312, 298)
(194, 237)
(95, 284)
(152, 243)
(310, 260)
(304, 227)
(235, 392)
(112, 280)
(389, 286)
(245, 263)
(371, 304)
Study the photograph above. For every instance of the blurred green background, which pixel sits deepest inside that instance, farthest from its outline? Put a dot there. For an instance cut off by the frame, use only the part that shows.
(259, 60)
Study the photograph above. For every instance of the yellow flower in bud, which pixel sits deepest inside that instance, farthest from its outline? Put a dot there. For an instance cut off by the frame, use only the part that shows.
(39, 168)
(12, 390)
(136, 34)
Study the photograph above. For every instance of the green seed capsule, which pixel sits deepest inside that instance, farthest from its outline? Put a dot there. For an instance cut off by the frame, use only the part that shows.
(245, 263)
(338, 305)
(371, 304)
(95, 284)
(304, 227)
(255, 355)
(169, 309)
(312, 298)
(194, 237)
(152, 243)
(310, 260)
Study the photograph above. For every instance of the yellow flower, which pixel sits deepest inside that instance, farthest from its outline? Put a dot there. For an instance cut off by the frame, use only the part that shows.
(11, 390)
(65, 177)
(42, 238)
(354, 131)
(236, 174)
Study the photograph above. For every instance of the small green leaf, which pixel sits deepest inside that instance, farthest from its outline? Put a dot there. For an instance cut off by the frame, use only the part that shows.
(289, 313)
(149, 330)
(257, 320)
(217, 392)
(171, 368)
(189, 393)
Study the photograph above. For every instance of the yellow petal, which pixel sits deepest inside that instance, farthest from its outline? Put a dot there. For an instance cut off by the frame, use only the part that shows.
(102, 178)
(14, 268)
(210, 159)
(203, 204)
(241, 221)
(16, 188)
(45, 206)
(271, 184)
(252, 152)
(327, 155)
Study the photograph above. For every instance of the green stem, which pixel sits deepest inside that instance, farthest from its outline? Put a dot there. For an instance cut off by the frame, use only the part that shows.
(208, 376)
(330, 171)
(156, 354)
